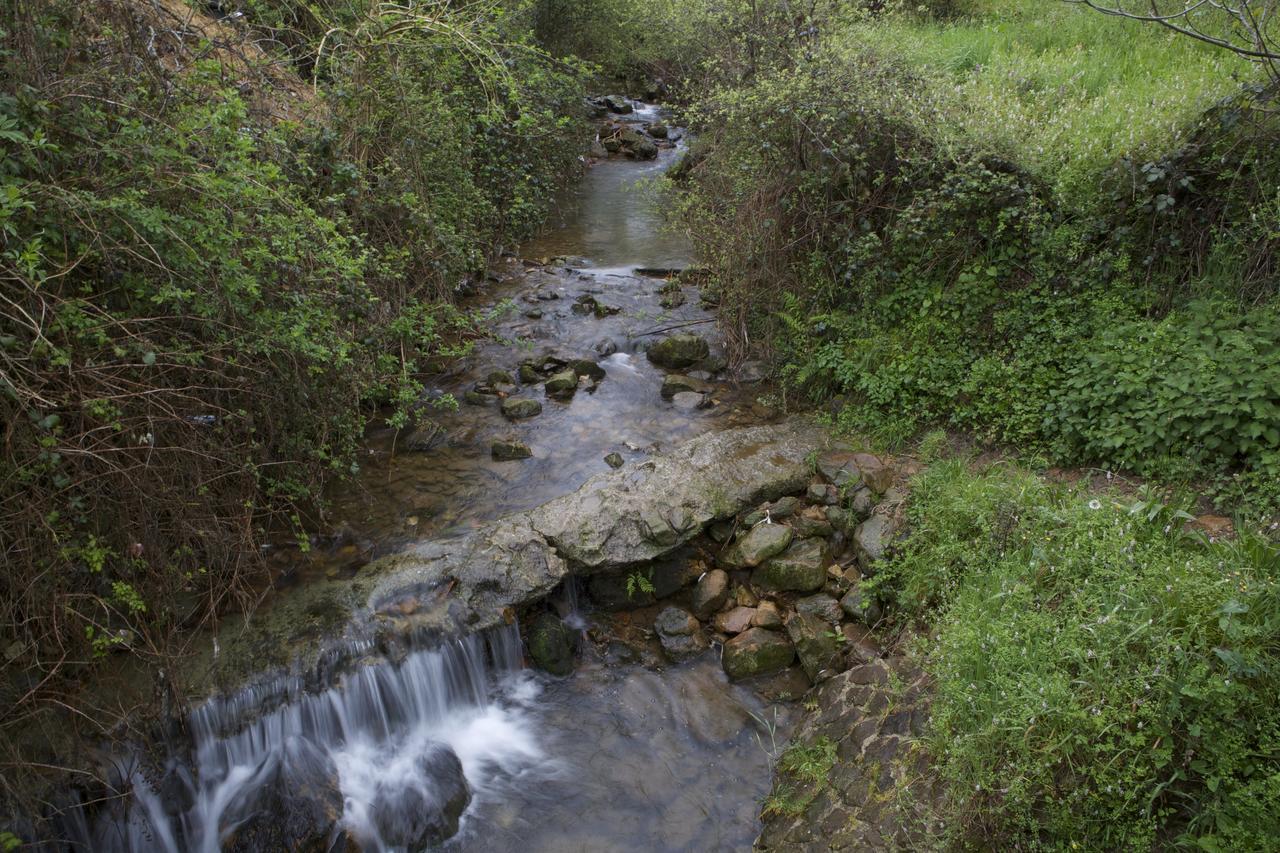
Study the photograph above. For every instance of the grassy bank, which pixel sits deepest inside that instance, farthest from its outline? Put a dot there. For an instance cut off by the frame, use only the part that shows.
(1047, 228)
(1105, 678)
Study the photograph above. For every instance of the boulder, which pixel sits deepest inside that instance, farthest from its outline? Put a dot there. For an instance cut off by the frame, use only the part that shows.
(679, 633)
(822, 493)
(801, 568)
(508, 449)
(757, 545)
(678, 351)
(643, 149)
(735, 621)
(588, 368)
(816, 646)
(711, 593)
(757, 651)
(499, 377)
(528, 375)
(519, 408)
(658, 130)
(550, 644)
(784, 507)
(876, 473)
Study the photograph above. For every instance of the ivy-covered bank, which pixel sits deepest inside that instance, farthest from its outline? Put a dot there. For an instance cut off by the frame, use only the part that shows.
(226, 238)
(1026, 221)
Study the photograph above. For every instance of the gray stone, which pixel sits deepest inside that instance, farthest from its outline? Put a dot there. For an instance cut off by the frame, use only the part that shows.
(839, 468)
(784, 507)
(618, 104)
(822, 493)
(519, 408)
(562, 385)
(711, 593)
(824, 607)
(801, 568)
(428, 436)
(675, 383)
(860, 607)
(678, 351)
(757, 545)
(688, 401)
(757, 651)
(872, 540)
(679, 633)
(588, 368)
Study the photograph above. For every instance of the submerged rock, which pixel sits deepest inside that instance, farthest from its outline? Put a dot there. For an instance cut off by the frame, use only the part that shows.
(675, 383)
(678, 351)
(614, 460)
(757, 651)
(298, 805)
(688, 401)
(417, 816)
(508, 449)
(562, 385)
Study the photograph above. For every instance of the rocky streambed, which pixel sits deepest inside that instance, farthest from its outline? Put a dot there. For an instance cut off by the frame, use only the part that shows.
(575, 613)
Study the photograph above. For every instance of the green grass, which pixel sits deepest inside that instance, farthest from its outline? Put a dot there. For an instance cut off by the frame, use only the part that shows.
(1057, 87)
(1102, 678)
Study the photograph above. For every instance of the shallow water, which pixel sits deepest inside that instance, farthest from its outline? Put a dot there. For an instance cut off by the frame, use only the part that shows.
(611, 226)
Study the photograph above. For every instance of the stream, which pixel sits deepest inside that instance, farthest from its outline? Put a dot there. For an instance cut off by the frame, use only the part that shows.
(461, 747)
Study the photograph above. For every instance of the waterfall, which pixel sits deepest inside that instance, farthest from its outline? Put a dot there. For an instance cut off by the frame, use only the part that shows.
(390, 755)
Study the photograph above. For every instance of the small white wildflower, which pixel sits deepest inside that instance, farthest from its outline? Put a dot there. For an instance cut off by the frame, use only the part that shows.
(1095, 504)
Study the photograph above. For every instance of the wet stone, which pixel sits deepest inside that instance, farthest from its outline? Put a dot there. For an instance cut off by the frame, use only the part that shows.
(767, 616)
(711, 593)
(688, 401)
(614, 460)
(518, 408)
(816, 645)
(758, 544)
(801, 568)
(757, 651)
(550, 645)
(679, 633)
(678, 351)
(562, 385)
(824, 607)
(675, 383)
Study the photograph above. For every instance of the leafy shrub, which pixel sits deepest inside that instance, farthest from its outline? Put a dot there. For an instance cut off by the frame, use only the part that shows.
(205, 302)
(1195, 391)
(1103, 680)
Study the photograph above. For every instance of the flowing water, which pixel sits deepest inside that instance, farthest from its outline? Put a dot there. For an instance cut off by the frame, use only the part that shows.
(616, 757)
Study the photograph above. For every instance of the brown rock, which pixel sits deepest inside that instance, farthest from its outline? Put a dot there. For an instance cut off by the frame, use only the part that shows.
(735, 621)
